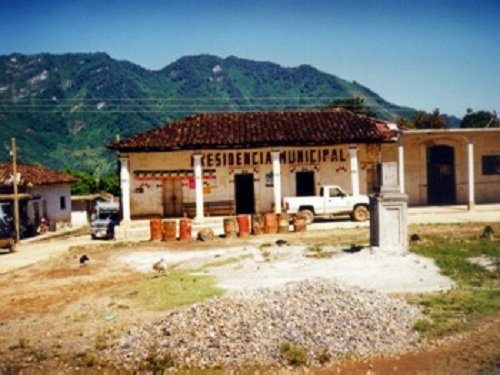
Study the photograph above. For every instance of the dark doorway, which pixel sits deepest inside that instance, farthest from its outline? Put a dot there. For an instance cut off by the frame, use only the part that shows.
(244, 193)
(305, 184)
(441, 175)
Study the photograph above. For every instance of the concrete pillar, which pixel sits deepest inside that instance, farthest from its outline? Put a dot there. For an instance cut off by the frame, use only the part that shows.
(353, 156)
(389, 213)
(198, 184)
(276, 180)
(470, 173)
(125, 188)
(401, 166)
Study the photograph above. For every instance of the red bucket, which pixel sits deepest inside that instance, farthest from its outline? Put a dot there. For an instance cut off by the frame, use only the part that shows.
(270, 223)
(156, 229)
(185, 229)
(169, 230)
(244, 225)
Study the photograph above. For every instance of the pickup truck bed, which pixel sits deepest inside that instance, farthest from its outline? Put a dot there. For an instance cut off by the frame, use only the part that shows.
(332, 201)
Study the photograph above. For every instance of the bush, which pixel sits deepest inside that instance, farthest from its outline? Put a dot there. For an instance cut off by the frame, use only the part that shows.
(294, 354)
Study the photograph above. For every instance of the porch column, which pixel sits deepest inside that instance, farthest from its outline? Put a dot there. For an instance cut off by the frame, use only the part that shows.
(198, 184)
(470, 172)
(353, 155)
(125, 188)
(276, 181)
(401, 166)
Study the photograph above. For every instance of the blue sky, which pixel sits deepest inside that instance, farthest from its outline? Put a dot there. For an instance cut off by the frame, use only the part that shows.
(421, 53)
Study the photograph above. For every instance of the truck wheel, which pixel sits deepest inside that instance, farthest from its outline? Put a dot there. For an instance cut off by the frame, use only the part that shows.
(307, 215)
(361, 213)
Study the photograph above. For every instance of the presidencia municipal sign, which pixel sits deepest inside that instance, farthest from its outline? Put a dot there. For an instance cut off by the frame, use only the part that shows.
(289, 156)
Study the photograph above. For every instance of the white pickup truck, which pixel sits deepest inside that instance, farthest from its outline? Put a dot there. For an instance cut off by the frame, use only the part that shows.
(333, 201)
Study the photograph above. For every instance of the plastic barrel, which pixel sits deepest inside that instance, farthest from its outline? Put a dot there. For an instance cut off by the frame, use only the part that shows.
(257, 224)
(284, 225)
(169, 230)
(299, 224)
(185, 229)
(229, 227)
(270, 223)
(243, 225)
(156, 229)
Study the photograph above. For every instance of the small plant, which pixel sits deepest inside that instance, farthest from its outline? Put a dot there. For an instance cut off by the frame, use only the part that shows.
(346, 356)
(86, 359)
(294, 354)
(266, 254)
(156, 362)
(39, 355)
(23, 343)
(423, 326)
(90, 359)
(324, 356)
(102, 342)
(315, 249)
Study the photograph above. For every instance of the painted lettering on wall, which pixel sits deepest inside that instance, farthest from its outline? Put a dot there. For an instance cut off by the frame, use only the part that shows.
(254, 158)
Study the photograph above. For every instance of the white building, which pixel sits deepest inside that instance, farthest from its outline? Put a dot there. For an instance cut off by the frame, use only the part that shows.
(232, 163)
(44, 194)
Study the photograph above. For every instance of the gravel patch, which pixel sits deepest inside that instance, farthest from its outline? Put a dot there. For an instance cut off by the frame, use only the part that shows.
(327, 319)
(277, 265)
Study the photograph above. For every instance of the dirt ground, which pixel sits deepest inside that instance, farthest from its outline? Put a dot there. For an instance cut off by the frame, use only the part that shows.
(55, 316)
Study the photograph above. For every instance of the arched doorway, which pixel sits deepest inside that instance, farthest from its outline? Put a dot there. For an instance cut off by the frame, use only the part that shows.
(441, 175)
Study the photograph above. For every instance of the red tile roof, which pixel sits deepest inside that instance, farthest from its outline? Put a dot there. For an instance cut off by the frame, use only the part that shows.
(260, 129)
(34, 174)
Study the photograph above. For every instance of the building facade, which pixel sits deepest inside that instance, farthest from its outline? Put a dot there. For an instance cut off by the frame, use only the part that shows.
(451, 166)
(44, 193)
(222, 164)
(232, 163)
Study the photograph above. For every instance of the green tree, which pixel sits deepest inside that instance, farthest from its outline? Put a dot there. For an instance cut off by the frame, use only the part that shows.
(480, 119)
(404, 122)
(91, 183)
(434, 120)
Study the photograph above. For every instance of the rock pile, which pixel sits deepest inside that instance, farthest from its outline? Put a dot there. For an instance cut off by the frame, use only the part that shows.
(323, 319)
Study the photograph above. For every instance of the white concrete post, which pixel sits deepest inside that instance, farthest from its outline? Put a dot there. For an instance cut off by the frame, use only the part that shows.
(125, 188)
(276, 181)
(198, 184)
(401, 166)
(353, 154)
(470, 172)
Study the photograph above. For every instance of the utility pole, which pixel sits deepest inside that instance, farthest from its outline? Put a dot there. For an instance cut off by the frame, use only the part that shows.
(14, 184)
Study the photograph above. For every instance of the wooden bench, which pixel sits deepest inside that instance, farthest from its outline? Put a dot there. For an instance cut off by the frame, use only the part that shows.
(215, 208)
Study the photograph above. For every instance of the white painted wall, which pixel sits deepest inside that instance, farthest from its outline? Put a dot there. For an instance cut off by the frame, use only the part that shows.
(52, 194)
(146, 188)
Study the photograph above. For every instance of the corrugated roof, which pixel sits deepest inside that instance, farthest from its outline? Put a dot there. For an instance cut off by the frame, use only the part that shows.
(33, 174)
(260, 129)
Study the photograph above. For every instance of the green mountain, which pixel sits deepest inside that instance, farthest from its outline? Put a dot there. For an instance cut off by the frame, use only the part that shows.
(63, 109)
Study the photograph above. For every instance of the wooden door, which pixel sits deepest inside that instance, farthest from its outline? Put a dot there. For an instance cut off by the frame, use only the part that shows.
(172, 197)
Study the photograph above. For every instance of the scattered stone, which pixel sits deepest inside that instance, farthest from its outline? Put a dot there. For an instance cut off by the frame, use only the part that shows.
(248, 328)
(206, 234)
(281, 242)
(489, 263)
